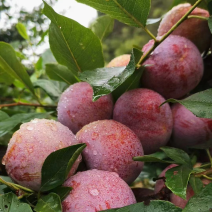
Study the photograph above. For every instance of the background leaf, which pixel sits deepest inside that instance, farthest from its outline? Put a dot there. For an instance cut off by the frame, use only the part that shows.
(201, 202)
(178, 155)
(57, 166)
(200, 103)
(131, 12)
(52, 88)
(73, 45)
(196, 184)
(49, 203)
(60, 73)
(11, 65)
(22, 31)
(149, 158)
(9, 202)
(210, 23)
(177, 179)
(3, 116)
(8, 124)
(102, 26)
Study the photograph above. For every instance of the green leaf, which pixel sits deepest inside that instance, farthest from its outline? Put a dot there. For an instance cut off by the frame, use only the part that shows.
(177, 179)
(210, 23)
(49, 86)
(151, 159)
(39, 64)
(60, 73)
(102, 26)
(11, 65)
(22, 31)
(3, 116)
(73, 45)
(49, 203)
(57, 166)
(43, 37)
(8, 124)
(154, 206)
(62, 192)
(196, 184)
(106, 80)
(201, 202)
(178, 155)
(200, 103)
(130, 12)
(206, 145)
(5, 77)
(20, 55)
(9, 203)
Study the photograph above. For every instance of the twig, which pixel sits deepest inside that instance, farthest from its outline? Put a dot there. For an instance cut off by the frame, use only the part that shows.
(157, 42)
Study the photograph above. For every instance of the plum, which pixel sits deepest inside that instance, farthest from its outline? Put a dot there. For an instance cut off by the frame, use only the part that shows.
(76, 108)
(160, 183)
(119, 61)
(96, 190)
(111, 147)
(174, 68)
(140, 110)
(201, 36)
(189, 130)
(30, 146)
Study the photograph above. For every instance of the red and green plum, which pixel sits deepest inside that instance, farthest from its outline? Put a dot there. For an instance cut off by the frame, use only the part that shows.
(189, 130)
(111, 147)
(174, 68)
(30, 146)
(119, 61)
(96, 190)
(140, 110)
(76, 108)
(194, 29)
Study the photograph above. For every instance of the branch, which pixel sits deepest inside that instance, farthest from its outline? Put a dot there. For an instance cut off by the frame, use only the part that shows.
(157, 42)
(26, 104)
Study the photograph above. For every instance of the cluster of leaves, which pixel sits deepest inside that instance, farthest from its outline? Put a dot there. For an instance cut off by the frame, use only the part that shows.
(79, 54)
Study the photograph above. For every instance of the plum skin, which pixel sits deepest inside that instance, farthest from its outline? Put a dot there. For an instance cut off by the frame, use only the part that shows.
(174, 68)
(119, 61)
(30, 146)
(111, 147)
(96, 190)
(189, 130)
(76, 108)
(140, 110)
(201, 36)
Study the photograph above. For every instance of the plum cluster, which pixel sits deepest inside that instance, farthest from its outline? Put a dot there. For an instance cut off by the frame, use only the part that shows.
(115, 133)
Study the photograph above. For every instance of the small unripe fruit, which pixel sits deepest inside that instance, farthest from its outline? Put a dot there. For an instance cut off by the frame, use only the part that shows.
(119, 61)
(194, 29)
(140, 110)
(189, 130)
(30, 146)
(76, 108)
(111, 147)
(96, 190)
(174, 68)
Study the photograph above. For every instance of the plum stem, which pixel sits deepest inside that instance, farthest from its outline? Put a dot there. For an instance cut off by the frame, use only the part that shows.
(209, 171)
(199, 17)
(209, 155)
(25, 104)
(157, 42)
